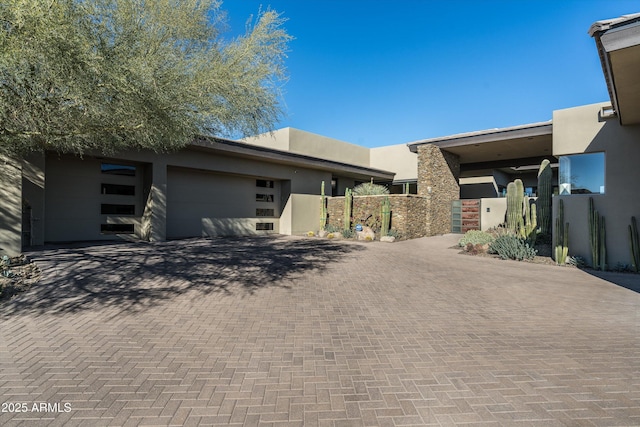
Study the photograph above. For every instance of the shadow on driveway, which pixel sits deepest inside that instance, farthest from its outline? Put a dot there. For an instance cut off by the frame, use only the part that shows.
(133, 276)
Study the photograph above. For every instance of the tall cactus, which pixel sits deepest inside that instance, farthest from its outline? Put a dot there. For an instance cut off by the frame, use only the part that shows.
(634, 244)
(562, 236)
(545, 189)
(529, 227)
(515, 198)
(348, 201)
(385, 215)
(597, 238)
(323, 208)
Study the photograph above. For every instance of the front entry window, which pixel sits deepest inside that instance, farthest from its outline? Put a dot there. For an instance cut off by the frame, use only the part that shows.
(581, 174)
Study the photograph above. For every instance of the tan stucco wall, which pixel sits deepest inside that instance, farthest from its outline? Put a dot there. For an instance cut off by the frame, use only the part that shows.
(277, 139)
(301, 214)
(311, 144)
(33, 183)
(11, 207)
(398, 159)
(492, 212)
(581, 130)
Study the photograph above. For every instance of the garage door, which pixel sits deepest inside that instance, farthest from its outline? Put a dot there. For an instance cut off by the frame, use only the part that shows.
(209, 204)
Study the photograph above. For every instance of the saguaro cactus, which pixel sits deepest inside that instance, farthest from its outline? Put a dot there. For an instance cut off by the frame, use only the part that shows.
(515, 197)
(634, 244)
(597, 238)
(562, 236)
(385, 215)
(348, 201)
(529, 228)
(323, 208)
(545, 189)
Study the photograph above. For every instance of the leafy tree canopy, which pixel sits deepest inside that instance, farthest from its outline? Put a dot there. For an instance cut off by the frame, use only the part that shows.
(79, 75)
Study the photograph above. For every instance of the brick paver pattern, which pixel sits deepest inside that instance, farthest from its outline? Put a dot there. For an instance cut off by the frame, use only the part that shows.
(297, 331)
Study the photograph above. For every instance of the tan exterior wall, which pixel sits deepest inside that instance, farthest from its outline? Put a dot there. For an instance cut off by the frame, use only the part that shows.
(398, 159)
(582, 130)
(301, 214)
(33, 183)
(11, 207)
(311, 144)
(492, 212)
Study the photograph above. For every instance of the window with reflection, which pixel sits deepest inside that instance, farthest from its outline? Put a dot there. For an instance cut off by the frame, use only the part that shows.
(581, 174)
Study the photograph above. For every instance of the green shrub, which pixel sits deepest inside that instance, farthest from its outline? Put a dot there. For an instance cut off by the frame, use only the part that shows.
(370, 189)
(330, 228)
(475, 237)
(394, 233)
(348, 234)
(512, 247)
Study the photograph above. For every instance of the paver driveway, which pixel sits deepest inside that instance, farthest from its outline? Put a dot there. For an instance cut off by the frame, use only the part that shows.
(291, 331)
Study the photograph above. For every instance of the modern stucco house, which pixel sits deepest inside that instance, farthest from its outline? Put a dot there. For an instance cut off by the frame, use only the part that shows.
(269, 183)
(212, 187)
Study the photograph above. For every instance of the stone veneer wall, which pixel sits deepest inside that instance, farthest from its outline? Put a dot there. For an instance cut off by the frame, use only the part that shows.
(408, 213)
(438, 175)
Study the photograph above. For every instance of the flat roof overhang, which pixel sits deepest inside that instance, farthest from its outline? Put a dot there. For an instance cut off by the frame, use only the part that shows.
(243, 150)
(618, 43)
(514, 146)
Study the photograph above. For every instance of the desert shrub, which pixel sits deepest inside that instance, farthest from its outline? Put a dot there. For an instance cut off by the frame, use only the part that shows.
(577, 261)
(370, 189)
(330, 228)
(348, 234)
(475, 237)
(394, 233)
(512, 247)
(475, 249)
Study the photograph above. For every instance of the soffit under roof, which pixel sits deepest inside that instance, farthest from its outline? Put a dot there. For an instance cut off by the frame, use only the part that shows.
(517, 145)
(618, 42)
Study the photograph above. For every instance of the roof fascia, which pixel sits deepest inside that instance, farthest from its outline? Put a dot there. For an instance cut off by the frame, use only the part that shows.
(491, 135)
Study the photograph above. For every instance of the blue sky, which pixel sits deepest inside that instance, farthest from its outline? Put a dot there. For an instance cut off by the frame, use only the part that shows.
(390, 72)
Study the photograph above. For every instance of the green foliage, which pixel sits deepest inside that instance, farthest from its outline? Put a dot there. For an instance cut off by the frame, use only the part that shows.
(348, 203)
(348, 233)
(385, 215)
(370, 189)
(509, 246)
(323, 208)
(515, 199)
(562, 236)
(545, 191)
(634, 244)
(521, 212)
(475, 237)
(597, 238)
(330, 228)
(576, 261)
(146, 74)
(394, 233)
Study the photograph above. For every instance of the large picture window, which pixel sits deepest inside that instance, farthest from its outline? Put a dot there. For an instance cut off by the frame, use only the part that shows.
(581, 174)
